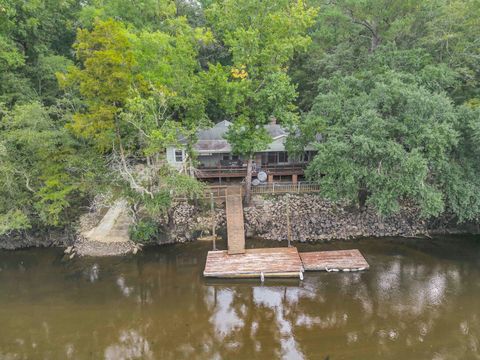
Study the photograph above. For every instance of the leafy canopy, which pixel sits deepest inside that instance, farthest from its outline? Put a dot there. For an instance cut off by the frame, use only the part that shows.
(261, 37)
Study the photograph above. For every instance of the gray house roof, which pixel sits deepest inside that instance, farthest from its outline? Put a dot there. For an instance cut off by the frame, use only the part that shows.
(212, 140)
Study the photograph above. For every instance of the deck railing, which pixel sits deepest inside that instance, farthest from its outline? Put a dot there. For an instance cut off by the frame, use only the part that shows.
(276, 188)
(284, 188)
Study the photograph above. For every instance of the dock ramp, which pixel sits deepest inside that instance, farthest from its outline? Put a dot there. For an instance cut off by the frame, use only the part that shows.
(235, 225)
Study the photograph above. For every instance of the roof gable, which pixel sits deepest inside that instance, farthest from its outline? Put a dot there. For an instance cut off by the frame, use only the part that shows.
(212, 140)
(216, 132)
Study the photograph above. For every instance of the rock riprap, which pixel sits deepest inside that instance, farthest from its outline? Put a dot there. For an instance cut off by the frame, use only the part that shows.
(313, 218)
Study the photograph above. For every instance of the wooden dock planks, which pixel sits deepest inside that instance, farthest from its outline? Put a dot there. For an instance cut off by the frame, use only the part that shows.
(339, 259)
(272, 262)
(235, 225)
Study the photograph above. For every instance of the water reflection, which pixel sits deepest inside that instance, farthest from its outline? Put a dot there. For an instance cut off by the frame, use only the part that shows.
(411, 304)
(130, 345)
(224, 316)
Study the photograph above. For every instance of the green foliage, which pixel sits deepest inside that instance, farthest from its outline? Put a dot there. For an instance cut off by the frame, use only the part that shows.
(44, 170)
(383, 83)
(104, 82)
(92, 92)
(35, 41)
(386, 141)
(144, 231)
(147, 14)
(13, 220)
(124, 69)
(460, 176)
(452, 37)
(141, 93)
(262, 37)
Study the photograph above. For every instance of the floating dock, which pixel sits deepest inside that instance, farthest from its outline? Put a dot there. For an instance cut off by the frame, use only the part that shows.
(254, 263)
(280, 262)
(344, 260)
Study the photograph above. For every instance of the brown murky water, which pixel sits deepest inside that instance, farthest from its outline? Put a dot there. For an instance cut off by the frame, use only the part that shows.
(419, 300)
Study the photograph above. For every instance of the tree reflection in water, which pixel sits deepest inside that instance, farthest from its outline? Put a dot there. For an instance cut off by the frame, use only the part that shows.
(416, 303)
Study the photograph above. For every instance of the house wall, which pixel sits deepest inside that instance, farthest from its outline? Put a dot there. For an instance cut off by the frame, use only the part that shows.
(170, 155)
(213, 160)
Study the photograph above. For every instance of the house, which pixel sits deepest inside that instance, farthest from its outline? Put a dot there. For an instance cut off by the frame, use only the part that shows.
(215, 159)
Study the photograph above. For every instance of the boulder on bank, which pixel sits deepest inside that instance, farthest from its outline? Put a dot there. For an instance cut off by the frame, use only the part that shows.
(99, 248)
(187, 220)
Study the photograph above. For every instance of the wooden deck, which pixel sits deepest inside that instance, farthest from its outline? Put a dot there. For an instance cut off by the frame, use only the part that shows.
(235, 225)
(344, 260)
(271, 262)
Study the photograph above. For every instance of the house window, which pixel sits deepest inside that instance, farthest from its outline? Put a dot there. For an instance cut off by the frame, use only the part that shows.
(226, 157)
(272, 158)
(178, 155)
(282, 157)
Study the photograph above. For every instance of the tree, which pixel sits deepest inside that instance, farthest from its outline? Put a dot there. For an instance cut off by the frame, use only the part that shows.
(409, 50)
(104, 82)
(452, 37)
(35, 42)
(148, 15)
(141, 94)
(384, 143)
(262, 38)
(459, 178)
(348, 32)
(45, 172)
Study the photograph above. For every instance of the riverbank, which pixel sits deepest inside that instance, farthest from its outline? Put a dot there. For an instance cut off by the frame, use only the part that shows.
(311, 218)
(39, 238)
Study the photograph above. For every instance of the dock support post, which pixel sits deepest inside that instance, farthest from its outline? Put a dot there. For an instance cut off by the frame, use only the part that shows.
(289, 231)
(212, 208)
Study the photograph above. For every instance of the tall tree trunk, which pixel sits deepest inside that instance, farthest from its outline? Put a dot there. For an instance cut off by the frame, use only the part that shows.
(248, 181)
(376, 39)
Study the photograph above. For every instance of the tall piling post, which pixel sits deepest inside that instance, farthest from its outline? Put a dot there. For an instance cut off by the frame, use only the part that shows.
(212, 210)
(289, 230)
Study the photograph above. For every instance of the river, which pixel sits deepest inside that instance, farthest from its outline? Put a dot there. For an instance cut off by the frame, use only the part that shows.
(419, 300)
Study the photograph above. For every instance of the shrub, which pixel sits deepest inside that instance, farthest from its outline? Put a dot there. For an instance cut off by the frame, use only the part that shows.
(144, 231)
